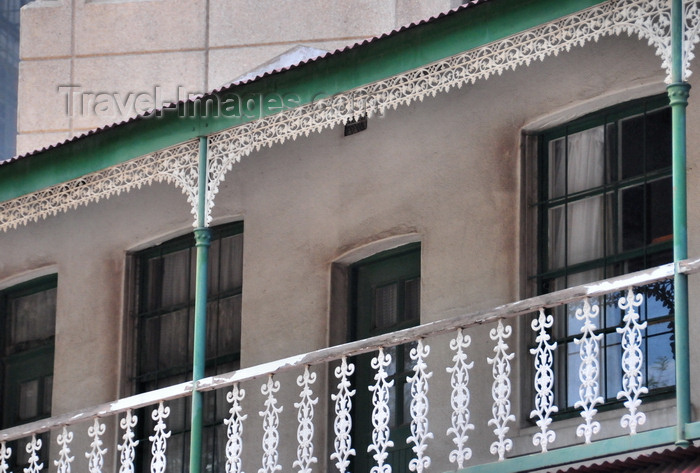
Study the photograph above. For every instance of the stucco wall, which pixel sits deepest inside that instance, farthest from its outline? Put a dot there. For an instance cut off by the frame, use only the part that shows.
(446, 170)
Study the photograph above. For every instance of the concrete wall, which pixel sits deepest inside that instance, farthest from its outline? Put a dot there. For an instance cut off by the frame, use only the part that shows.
(446, 171)
(180, 47)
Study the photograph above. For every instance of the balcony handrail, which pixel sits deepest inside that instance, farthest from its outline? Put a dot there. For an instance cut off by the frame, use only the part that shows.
(506, 311)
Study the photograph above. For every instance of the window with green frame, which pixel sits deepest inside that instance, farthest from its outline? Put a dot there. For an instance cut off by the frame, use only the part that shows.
(604, 209)
(384, 297)
(164, 322)
(28, 321)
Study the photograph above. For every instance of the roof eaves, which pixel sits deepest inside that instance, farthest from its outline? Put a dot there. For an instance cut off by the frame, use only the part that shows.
(235, 84)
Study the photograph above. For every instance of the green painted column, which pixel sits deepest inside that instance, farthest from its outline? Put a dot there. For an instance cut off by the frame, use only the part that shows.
(202, 237)
(678, 92)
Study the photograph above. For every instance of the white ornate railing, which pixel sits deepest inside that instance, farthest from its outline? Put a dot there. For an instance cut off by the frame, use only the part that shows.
(275, 448)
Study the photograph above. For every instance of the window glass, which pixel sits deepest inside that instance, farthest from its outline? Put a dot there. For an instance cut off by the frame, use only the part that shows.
(606, 211)
(386, 296)
(28, 326)
(165, 287)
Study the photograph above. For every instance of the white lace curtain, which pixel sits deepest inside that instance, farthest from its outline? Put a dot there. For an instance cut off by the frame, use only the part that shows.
(577, 228)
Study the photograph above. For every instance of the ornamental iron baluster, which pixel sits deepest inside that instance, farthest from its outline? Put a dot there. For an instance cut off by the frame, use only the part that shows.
(64, 458)
(96, 454)
(128, 445)
(33, 448)
(342, 424)
(500, 390)
(420, 431)
(5, 454)
(159, 440)
(459, 399)
(271, 422)
(234, 430)
(380, 413)
(588, 372)
(632, 361)
(544, 381)
(305, 416)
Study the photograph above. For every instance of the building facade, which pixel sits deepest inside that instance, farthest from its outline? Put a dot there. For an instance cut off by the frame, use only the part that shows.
(448, 248)
(74, 53)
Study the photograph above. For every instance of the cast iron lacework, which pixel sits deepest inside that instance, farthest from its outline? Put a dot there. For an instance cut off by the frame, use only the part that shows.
(64, 458)
(589, 390)
(420, 432)
(342, 424)
(648, 19)
(459, 399)
(380, 413)
(500, 390)
(127, 451)
(175, 165)
(305, 416)
(33, 449)
(234, 429)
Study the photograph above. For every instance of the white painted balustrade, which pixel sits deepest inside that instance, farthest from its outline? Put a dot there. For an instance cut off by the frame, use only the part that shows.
(455, 367)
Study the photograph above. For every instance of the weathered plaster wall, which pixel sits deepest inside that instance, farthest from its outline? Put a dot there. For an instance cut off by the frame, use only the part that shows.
(180, 47)
(447, 170)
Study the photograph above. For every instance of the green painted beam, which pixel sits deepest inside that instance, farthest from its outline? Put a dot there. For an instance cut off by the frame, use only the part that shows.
(364, 64)
(692, 430)
(577, 453)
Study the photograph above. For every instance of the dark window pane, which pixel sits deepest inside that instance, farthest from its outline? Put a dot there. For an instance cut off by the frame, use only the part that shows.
(231, 263)
(412, 299)
(632, 212)
(27, 325)
(632, 146)
(659, 215)
(229, 326)
(662, 366)
(174, 328)
(33, 317)
(28, 400)
(658, 139)
(175, 282)
(557, 168)
(386, 306)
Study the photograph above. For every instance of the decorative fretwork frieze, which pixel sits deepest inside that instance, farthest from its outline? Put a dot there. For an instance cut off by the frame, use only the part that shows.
(176, 165)
(648, 19)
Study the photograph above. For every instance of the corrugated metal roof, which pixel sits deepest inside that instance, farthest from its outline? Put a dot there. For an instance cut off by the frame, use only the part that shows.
(675, 460)
(228, 87)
